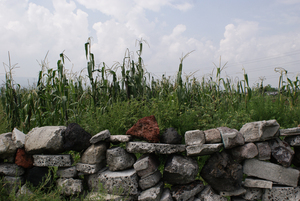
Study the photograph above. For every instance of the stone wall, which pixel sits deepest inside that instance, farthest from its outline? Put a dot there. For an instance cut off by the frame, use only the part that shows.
(259, 162)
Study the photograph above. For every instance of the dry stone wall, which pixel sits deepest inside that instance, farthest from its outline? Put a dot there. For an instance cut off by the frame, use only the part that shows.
(258, 162)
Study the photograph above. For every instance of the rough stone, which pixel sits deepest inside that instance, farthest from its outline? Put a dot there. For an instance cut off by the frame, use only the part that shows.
(185, 192)
(281, 152)
(170, 136)
(264, 150)
(166, 195)
(108, 197)
(12, 184)
(260, 130)
(88, 168)
(68, 172)
(18, 138)
(194, 137)
(146, 129)
(296, 158)
(121, 183)
(150, 180)
(152, 194)
(93, 182)
(222, 172)
(146, 164)
(237, 192)
(70, 186)
(257, 183)
(253, 194)
(271, 172)
(96, 153)
(45, 140)
(231, 137)
(64, 160)
(119, 159)
(157, 148)
(23, 159)
(204, 149)
(10, 169)
(117, 139)
(248, 150)
(212, 136)
(293, 141)
(103, 135)
(7, 146)
(38, 175)
(290, 131)
(23, 191)
(208, 194)
(76, 138)
(180, 169)
(279, 193)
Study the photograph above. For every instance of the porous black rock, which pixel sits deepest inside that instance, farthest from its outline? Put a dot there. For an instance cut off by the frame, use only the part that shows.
(76, 138)
(222, 172)
(171, 136)
(38, 175)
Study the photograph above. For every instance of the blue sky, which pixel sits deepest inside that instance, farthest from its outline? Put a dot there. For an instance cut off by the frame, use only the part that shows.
(253, 35)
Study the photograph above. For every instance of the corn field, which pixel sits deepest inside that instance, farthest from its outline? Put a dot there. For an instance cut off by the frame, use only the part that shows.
(115, 98)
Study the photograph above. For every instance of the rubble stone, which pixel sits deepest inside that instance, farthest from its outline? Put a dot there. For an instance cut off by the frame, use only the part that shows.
(7, 147)
(290, 131)
(12, 184)
(253, 194)
(257, 183)
(166, 195)
(293, 141)
(70, 186)
(237, 192)
(119, 159)
(204, 149)
(146, 164)
(264, 150)
(23, 191)
(117, 139)
(38, 175)
(103, 135)
(180, 169)
(271, 172)
(89, 168)
(65, 160)
(208, 194)
(170, 136)
(18, 138)
(185, 192)
(296, 158)
(260, 130)
(96, 153)
(23, 159)
(279, 193)
(231, 137)
(108, 197)
(76, 138)
(67, 172)
(150, 180)
(93, 182)
(45, 140)
(194, 137)
(248, 150)
(153, 193)
(281, 152)
(11, 169)
(212, 136)
(157, 148)
(145, 128)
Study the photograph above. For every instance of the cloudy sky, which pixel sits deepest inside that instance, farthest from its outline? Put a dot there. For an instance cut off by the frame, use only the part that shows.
(255, 35)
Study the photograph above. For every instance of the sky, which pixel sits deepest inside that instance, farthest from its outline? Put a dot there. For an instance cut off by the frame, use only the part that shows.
(249, 36)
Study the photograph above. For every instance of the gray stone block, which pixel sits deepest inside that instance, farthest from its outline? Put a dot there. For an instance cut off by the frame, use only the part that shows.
(11, 169)
(116, 139)
(290, 131)
(12, 184)
(70, 186)
(103, 135)
(119, 159)
(158, 148)
(194, 137)
(96, 153)
(65, 160)
(150, 180)
(257, 183)
(237, 192)
(208, 194)
(272, 172)
(152, 194)
(7, 147)
(253, 194)
(293, 141)
(204, 149)
(264, 150)
(231, 137)
(185, 192)
(68, 172)
(108, 197)
(166, 195)
(45, 140)
(260, 130)
(279, 193)
(180, 169)
(120, 183)
(212, 136)
(23, 191)
(146, 164)
(93, 182)
(245, 151)
(88, 168)
(281, 152)
(18, 138)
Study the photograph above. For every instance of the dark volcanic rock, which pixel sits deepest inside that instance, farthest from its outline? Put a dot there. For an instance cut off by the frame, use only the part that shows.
(38, 175)
(180, 169)
(281, 152)
(146, 128)
(185, 192)
(170, 136)
(296, 159)
(222, 173)
(76, 138)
